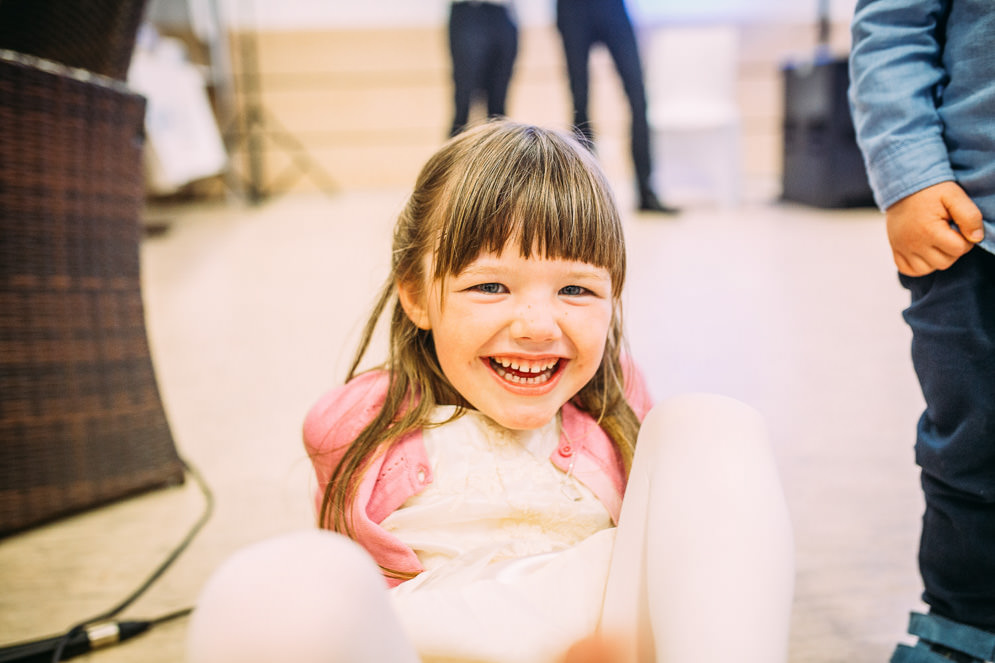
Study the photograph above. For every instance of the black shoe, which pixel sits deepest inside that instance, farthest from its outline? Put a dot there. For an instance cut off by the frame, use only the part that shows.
(648, 202)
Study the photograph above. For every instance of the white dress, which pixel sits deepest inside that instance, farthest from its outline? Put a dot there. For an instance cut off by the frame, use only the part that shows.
(516, 552)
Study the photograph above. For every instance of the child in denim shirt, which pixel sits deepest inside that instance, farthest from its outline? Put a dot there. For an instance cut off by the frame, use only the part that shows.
(923, 98)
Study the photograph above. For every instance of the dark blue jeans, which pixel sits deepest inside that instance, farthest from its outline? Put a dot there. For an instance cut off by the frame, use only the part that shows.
(582, 24)
(483, 43)
(952, 316)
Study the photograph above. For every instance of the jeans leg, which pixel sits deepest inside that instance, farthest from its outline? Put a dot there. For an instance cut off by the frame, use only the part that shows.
(465, 37)
(504, 50)
(952, 316)
(576, 31)
(620, 39)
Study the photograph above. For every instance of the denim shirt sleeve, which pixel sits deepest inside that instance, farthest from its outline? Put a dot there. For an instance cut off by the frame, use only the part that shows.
(896, 79)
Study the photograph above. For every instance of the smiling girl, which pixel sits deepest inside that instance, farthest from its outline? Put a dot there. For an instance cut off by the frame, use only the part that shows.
(490, 466)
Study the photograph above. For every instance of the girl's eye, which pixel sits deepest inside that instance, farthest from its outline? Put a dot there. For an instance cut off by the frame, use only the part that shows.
(490, 288)
(573, 290)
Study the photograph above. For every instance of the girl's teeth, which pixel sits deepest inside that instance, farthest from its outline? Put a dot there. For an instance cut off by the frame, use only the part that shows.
(523, 366)
(539, 373)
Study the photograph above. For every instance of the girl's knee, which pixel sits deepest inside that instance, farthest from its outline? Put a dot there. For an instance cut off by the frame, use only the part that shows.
(712, 455)
(703, 424)
(283, 598)
(311, 558)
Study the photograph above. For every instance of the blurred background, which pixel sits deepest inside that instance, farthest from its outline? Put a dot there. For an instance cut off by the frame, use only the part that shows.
(356, 95)
(197, 200)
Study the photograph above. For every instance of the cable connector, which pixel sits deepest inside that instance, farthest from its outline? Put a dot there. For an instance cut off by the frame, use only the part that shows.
(105, 634)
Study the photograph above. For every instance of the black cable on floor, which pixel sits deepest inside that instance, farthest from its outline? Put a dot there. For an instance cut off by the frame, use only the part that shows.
(103, 630)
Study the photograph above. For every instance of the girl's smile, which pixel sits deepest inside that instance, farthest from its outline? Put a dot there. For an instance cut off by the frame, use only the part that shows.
(523, 371)
(517, 337)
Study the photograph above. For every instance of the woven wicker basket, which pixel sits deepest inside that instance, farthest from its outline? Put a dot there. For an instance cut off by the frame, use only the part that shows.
(81, 421)
(95, 35)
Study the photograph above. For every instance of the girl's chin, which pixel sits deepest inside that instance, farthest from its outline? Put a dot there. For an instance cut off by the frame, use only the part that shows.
(523, 420)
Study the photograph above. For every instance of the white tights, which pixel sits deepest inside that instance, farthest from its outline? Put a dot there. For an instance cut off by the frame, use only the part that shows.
(702, 566)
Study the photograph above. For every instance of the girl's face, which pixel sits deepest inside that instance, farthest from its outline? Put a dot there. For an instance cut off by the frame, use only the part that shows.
(517, 337)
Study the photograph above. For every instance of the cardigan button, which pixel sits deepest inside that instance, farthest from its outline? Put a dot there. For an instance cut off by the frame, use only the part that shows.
(421, 476)
(566, 450)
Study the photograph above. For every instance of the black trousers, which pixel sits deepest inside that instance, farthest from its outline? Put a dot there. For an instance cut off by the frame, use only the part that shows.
(582, 24)
(483, 42)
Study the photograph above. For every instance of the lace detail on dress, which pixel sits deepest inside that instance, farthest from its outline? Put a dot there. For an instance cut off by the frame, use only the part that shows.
(496, 496)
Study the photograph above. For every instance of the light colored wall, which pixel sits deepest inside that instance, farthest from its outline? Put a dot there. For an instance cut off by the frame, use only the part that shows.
(321, 14)
(369, 105)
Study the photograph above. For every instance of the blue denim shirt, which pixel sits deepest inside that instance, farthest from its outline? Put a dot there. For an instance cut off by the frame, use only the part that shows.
(922, 92)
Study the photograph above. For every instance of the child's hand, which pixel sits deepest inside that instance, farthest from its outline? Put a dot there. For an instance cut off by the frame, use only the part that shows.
(596, 649)
(922, 239)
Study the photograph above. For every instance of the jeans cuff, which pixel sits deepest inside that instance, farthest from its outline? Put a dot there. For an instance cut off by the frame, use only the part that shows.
(921, 653)
(960, 637)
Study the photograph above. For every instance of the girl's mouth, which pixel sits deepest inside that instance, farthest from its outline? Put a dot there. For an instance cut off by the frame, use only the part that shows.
(524, 371)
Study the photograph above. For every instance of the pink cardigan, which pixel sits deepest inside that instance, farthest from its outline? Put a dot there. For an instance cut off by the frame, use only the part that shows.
(403, 470)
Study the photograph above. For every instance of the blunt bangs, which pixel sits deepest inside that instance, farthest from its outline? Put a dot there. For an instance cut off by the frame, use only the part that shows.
(534, 187)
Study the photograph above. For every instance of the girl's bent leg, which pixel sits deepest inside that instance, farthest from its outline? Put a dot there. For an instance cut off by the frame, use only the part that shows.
(307, 597)
(703, 565)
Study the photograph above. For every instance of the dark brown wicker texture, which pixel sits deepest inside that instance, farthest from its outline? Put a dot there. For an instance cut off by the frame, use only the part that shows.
(81, 421)
(95, 35)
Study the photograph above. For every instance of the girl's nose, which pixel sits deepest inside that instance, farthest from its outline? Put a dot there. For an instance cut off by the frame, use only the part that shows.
(535, 322)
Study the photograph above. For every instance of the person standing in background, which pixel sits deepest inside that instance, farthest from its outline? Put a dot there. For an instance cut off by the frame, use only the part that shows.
(483, 43)
(922, 94)
(582, 24)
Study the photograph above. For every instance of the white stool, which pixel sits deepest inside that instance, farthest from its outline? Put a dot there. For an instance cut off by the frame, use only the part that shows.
(694, 116)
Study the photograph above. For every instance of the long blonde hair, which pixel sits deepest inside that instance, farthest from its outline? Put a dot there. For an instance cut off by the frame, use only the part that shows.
(497, 182)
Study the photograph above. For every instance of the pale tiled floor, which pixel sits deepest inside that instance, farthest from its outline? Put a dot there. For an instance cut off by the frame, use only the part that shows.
(253, 312)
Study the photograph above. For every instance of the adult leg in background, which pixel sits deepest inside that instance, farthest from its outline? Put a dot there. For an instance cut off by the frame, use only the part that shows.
(306, 597)
(703, 565)
(468, 34)
(504, 50)
(574, 22)
(619, 37)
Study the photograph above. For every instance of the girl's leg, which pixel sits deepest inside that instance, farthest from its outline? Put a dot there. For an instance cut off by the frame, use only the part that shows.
(703, 565)
(307, 597)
